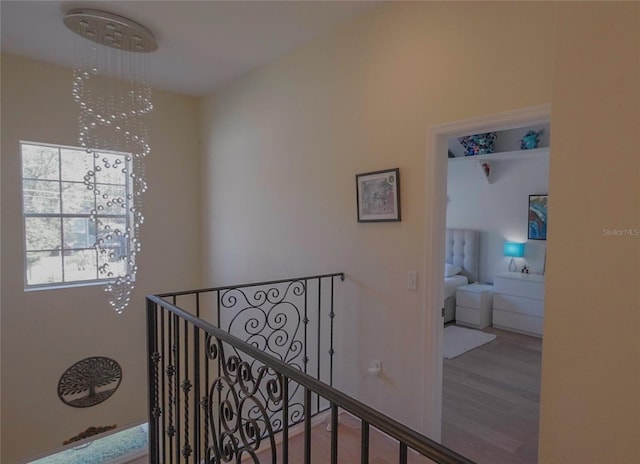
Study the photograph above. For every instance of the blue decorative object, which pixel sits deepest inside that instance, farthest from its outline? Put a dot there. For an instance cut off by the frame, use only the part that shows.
(531, 140)
(478, 144)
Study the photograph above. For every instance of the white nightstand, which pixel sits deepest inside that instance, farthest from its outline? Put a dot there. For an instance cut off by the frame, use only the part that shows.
(473, 305)
(518, 302)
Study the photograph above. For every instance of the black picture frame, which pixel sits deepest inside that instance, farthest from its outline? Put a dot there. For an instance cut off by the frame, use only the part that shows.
(378, 196)
(537, 217)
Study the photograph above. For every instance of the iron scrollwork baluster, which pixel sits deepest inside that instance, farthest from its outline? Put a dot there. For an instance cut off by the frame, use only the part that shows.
(156, 411)
(270, 320)
(245, 420)
(171, 431)
(186, 449)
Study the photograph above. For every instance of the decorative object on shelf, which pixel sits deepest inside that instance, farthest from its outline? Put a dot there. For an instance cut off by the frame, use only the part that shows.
(378, 196)
(531, 139)
(114, 98)
(486, 168)
(90, 432)
(513, 250)
(478, 144)
(450, 154)
(537, 226)
(525, 269)
(89, 382)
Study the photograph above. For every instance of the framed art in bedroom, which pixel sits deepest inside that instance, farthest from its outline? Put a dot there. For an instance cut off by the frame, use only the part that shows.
(378, 196)
(537, 226)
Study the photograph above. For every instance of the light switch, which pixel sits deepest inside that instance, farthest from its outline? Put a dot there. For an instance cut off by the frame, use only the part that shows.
(412, 280)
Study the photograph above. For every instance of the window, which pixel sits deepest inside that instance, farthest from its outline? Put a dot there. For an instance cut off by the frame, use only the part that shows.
(77, 215)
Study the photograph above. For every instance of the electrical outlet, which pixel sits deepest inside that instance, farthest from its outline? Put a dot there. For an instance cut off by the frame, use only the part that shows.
(412, 280)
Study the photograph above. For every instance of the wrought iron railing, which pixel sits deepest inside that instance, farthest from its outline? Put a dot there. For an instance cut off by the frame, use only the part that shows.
(232, 370)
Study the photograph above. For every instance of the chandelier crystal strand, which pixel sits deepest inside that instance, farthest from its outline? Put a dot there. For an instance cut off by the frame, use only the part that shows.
(114, 98)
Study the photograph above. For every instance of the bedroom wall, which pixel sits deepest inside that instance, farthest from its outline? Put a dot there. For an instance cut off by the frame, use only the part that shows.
(498, 210)
(45, 332)
(282, 146)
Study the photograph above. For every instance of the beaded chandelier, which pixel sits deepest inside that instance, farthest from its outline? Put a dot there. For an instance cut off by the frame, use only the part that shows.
(114, 98)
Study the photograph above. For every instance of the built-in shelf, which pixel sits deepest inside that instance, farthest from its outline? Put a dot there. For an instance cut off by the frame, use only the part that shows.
(486, 162)
(504, 155)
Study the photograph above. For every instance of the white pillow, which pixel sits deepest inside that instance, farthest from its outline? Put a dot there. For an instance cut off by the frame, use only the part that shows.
(450, 270)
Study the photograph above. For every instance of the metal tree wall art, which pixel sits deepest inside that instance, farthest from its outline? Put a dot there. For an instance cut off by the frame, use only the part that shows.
(89, 382)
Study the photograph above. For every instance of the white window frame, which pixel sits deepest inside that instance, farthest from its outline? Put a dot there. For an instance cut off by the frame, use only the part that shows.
(127, 215)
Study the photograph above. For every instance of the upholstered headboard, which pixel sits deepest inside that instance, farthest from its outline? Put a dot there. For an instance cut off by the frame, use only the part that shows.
(462, 249)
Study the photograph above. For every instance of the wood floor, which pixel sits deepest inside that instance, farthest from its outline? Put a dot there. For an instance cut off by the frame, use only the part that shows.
(491, 398)
(382, 449)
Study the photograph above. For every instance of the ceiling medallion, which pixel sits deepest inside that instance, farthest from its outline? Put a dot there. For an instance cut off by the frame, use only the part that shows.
(111, 30)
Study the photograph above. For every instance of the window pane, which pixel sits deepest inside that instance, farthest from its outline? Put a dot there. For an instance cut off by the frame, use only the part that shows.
(44, 267)
(79, 233)
(75, 164)
(77, 198)
(55, 184)
(112, 199)
(39, 162)
(41, 196)
(42, 233)
(80, 265)
(109, 169)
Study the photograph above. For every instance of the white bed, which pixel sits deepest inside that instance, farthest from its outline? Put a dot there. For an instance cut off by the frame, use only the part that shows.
(452, 283)
(462, 250)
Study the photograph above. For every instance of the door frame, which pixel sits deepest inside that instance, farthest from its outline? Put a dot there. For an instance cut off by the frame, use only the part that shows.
(435, 227)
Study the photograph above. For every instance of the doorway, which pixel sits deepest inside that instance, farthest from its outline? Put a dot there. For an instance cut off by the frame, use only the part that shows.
(436, 216)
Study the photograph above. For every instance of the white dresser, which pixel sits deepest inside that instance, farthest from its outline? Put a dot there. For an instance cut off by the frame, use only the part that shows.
(518, 302)
(473, 305)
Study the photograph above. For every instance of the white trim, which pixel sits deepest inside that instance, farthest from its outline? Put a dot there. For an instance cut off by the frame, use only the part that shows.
(435, 225)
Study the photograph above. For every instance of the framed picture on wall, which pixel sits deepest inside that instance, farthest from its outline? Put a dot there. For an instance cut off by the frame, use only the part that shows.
(378, 196)
(537, 217)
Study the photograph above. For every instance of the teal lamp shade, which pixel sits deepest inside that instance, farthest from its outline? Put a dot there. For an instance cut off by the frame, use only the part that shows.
(514, 249)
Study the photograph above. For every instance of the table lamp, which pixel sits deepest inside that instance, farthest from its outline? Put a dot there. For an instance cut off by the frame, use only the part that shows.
(513, 250)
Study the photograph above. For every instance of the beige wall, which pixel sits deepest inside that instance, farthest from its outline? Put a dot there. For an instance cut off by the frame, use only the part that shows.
(45, 332)
(282, 146)
(591, 355)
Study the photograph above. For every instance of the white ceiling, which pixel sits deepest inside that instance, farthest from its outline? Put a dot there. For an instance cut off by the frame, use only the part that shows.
(202, 44)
